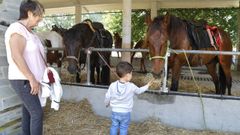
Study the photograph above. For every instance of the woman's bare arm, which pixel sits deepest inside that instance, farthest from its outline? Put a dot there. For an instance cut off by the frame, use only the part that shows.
(17, 45)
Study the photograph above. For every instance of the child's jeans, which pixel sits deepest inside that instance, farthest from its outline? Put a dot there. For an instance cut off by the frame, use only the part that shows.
(120, 121)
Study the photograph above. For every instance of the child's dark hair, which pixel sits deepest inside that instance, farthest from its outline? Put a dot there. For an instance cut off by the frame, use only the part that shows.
(123, 68)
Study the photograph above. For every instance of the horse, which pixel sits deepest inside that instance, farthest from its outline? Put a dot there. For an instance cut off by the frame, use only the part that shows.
(51, 39)
(83, 36)
(141, 45)
(178, 34)
(117, 41)
(58, 29)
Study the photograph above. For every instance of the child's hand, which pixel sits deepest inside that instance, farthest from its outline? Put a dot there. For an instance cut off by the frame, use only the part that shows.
(150, 82)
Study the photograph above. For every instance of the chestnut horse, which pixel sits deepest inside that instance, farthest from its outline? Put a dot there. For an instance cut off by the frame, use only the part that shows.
(141, 45)
(174, 30)
(118, 42)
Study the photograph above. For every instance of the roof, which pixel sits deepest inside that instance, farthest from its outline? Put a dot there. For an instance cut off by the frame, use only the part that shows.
(56, 6)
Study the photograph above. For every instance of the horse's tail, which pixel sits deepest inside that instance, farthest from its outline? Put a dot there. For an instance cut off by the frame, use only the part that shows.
(222, 79)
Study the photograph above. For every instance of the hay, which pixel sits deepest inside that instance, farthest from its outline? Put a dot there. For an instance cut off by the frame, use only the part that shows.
(79, 119)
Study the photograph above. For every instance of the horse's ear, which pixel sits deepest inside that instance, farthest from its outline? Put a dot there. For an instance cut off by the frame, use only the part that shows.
(148, 19)
(166, 19)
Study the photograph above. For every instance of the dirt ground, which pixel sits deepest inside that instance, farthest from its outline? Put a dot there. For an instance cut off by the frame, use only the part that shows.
(79, 119)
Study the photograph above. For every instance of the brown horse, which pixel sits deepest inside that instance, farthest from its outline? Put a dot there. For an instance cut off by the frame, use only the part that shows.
(138, 45)
(175, 30)
(118, 42)
(141, 45)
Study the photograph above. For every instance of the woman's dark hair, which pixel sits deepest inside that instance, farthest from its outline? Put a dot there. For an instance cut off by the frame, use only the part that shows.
(123, 68)
(30, 5)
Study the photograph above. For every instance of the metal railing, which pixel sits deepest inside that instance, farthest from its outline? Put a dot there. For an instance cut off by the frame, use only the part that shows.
(164, 88)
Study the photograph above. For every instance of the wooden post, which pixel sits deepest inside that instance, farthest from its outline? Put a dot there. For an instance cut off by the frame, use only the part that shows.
(153, 9)
(78, 13)
(126, 33)
(238, 46)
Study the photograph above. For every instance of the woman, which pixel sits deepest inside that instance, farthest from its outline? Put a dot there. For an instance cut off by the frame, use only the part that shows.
(26, 64)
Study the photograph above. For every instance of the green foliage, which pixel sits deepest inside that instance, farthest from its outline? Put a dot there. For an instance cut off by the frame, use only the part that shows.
(65, 21)
(224, 18)
(113, 22)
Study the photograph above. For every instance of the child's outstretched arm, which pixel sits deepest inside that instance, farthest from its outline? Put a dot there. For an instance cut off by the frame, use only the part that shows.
(107, 98)
(143, 88)
(150, 82)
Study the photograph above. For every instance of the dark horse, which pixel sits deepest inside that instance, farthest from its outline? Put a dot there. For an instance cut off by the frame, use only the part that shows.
(83, 36)
(176, 31)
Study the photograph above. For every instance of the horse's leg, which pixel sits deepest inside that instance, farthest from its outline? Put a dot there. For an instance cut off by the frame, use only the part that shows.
(78, 79)
(143, 67)
(105, 75)
(132, 56)
(211, 67)
(92, 73)
(98, 74)
(176, 70)
(225, 77)
(118, 54)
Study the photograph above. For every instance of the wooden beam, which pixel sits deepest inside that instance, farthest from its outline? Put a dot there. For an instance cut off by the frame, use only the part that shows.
(198, 4)
(78, 14)
(238, 46)
(126, 29)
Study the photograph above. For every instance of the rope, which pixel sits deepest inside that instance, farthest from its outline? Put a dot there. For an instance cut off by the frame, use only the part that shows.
(198, 88)
(107, 64)
(90, 25)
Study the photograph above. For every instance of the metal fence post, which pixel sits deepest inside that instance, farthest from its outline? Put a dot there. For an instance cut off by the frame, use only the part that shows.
(88, 66)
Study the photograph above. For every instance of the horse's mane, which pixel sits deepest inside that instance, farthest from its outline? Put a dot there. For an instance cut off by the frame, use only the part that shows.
(174, 23)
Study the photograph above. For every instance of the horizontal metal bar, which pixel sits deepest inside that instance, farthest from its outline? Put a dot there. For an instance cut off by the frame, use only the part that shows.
(205, 52)
(55, 49)
(120, 50)
(147, 50)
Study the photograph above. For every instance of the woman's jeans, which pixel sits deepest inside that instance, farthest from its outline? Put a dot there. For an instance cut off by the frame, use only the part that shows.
(120, 121)
(32, 112)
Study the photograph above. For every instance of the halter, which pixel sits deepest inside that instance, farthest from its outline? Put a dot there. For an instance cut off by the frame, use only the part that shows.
(75, 58)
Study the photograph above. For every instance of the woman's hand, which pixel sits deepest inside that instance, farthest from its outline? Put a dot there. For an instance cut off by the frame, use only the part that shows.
(35, 86)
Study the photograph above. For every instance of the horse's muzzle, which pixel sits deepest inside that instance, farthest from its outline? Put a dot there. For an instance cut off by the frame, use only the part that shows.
(72, 69)
(157, 75)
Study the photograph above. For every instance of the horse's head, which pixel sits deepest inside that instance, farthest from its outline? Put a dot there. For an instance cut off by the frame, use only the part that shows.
(157, 39)
(72, 44)
(117, 40)
(59, 30)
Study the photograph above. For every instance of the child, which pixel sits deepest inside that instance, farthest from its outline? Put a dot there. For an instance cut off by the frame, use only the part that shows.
(120, 97)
